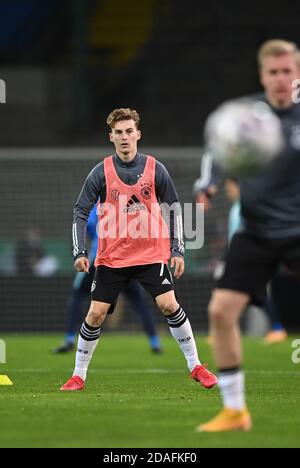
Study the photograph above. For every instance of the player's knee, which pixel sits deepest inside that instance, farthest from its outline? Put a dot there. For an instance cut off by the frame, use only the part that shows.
(218, 313)
(168, 307)
(96, 315)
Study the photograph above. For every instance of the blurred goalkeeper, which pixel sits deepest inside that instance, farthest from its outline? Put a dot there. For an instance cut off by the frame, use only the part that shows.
(134, 242)
(269, 235)
(81, 289)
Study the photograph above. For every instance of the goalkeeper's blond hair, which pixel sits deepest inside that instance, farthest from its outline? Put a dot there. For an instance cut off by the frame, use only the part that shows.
(276, 48)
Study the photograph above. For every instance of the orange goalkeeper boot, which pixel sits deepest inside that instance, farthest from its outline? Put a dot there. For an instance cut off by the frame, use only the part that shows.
(228, 419)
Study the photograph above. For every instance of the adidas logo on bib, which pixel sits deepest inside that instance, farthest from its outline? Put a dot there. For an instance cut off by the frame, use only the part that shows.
(166, 281)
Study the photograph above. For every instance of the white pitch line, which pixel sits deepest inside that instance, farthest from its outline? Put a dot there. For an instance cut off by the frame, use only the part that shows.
(150, 371)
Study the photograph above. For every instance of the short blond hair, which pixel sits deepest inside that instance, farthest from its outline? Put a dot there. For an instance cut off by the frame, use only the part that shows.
(123, 114)
(276, 48)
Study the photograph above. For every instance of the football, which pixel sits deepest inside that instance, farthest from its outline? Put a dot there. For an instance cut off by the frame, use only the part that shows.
(244, 136)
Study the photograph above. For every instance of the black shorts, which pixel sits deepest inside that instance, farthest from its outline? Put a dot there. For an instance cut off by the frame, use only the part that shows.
(108, 282)
(251, 262)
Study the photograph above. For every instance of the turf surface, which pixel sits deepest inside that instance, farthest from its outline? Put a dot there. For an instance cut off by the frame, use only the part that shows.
(137, 399)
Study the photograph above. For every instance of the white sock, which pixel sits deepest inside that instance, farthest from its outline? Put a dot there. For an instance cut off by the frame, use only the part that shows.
(181, 330)
(87, 342)
(232, 386)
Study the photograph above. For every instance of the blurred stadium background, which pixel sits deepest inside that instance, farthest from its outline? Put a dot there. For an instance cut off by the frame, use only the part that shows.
(66, 65)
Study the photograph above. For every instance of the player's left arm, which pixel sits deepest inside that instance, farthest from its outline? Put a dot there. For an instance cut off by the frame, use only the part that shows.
(166, 194)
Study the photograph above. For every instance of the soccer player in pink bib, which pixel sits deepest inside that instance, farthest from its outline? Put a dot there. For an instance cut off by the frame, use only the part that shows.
(135, 241)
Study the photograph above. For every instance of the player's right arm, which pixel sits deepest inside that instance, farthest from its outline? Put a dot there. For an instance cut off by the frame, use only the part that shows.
(93, 189)
(207, 185)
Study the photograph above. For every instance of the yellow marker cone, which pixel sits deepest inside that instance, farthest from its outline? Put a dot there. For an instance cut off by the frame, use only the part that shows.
(5, 380)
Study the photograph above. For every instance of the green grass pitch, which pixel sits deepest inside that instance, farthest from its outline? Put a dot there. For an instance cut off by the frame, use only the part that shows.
(136, 399)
